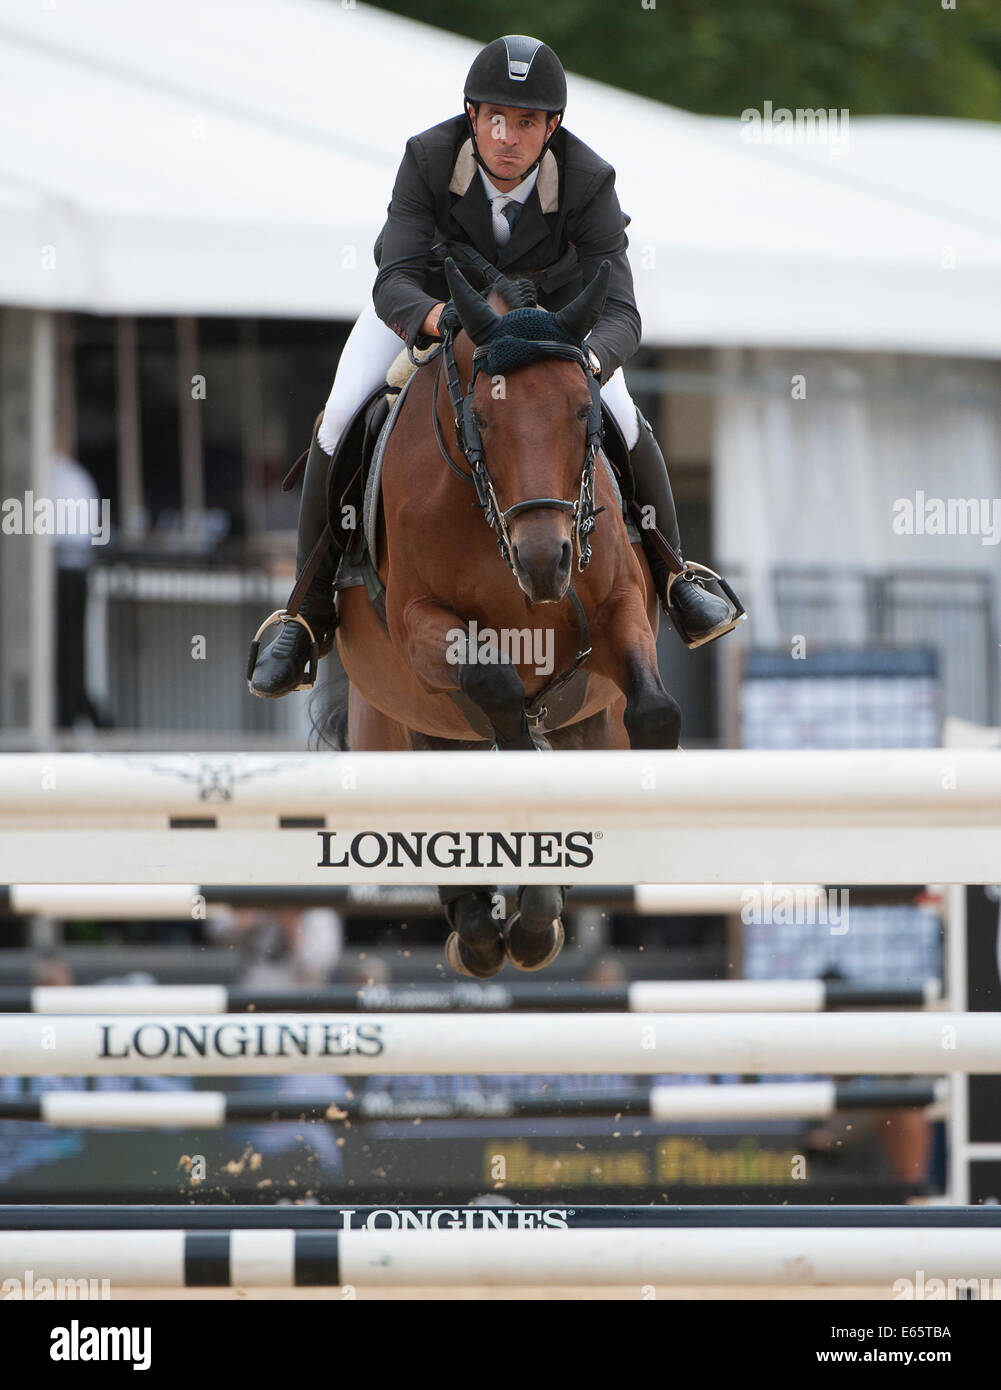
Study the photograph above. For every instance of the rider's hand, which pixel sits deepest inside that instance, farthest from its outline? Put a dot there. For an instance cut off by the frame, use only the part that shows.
(448, 320)
(430, 325)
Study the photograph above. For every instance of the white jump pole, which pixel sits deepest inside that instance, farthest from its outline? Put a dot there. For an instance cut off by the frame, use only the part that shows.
(112, 902)
(794, 1100)
(129, 999)
(207, 1109)
(441, 1044)
(134, 1109)
(742, 996)
(126, 902)
(780, 1100)
(725, 784)
(811, 1256)
(798, 1100)
(641, 996)
(809, 817)
(722, 899)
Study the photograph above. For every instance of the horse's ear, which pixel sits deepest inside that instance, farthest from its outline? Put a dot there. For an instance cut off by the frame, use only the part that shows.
(475, 314)
(580, 316)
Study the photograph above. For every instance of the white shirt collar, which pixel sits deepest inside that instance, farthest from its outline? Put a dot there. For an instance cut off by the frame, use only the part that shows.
(548, 185)
(519, 194)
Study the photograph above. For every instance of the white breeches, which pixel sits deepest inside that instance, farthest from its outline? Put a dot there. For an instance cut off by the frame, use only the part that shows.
(617, 400)
(368, 354)
(370, 351)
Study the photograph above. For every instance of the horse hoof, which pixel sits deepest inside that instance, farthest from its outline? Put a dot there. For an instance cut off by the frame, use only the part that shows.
(476, 946)
(534, 935)
(530, 951)
(457, 957)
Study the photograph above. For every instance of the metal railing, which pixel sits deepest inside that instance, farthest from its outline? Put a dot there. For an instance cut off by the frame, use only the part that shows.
(144, 663)
(952, 611)
(167, 650)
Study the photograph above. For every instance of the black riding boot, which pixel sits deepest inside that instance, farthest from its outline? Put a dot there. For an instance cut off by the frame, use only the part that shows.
(698, 615)
(281, 668)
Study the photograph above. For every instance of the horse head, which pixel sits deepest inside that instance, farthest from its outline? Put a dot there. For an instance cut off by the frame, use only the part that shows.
(530, 408)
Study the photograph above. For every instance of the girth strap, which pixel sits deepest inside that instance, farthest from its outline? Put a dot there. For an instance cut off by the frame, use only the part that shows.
(536, 709)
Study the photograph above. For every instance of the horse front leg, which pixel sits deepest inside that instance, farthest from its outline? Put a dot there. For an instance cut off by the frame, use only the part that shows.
(625, 651)
(436, 642)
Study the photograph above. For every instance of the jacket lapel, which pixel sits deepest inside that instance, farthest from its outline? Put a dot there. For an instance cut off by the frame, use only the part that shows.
(472, 208)
(529, 229)
(472, 212)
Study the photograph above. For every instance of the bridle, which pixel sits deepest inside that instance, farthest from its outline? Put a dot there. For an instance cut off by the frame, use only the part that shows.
(470, 444)
(583, 510)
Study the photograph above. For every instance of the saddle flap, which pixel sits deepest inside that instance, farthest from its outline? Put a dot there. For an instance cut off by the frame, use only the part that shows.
(373, 475)
(349, 465)
(613, 446)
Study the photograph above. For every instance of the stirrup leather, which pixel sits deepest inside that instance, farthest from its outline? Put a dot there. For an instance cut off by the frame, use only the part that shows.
(689, 572)
(283, 616)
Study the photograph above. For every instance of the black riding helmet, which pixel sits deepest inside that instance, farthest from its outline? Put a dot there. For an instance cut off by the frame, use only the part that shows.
(516, 71)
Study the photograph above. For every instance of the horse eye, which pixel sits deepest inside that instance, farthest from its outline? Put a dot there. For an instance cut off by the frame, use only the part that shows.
(583, 411)
(478, 420)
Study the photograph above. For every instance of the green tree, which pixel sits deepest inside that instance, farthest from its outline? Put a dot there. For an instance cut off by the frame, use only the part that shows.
(718, 57)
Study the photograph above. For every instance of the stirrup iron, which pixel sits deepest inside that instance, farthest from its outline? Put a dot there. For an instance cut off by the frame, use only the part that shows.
(283, 616)
(689, 572)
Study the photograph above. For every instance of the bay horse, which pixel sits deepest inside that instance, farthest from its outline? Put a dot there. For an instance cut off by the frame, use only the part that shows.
(506, 415)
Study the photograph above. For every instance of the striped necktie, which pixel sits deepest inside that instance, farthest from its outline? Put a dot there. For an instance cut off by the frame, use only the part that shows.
(504, 224)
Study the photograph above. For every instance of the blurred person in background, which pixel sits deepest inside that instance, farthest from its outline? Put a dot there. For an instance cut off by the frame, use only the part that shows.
(51, 971)
(287, 949)
(606, 970)
(907, 1140)
(69, 482)
(371, 970)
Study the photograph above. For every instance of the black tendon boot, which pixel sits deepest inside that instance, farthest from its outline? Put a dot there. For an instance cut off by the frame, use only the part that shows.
(475, 945)
(698, 615)
(289, 663)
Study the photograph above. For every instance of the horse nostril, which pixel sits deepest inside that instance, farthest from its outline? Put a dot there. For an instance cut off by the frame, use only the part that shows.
(566, 554)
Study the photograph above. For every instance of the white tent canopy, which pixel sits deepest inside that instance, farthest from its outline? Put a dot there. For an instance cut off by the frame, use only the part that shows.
(238, 159)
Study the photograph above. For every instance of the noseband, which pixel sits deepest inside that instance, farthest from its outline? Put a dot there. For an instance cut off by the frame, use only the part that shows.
(470, 444)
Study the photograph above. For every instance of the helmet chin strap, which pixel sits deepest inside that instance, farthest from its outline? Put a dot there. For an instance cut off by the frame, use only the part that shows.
(482, 162)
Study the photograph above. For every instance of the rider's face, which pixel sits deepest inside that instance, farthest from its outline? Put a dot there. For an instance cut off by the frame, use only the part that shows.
(510, 139)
